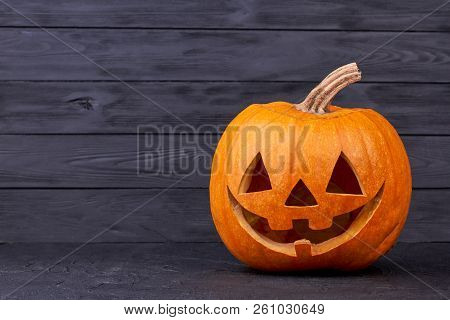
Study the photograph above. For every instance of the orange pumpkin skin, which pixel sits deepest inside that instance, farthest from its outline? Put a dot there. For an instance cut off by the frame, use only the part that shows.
(369, 144)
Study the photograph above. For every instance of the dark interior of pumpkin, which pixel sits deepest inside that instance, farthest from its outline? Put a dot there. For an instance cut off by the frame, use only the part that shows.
(301, 229)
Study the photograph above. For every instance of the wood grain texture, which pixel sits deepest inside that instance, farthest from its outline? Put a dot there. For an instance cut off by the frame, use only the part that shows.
(31, 54)
(171, 216)
(340, 14)
(106, 161)
(103, 107)
(196, 271)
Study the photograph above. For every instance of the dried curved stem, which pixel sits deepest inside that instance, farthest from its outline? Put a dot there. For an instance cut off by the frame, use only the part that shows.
(319, 98)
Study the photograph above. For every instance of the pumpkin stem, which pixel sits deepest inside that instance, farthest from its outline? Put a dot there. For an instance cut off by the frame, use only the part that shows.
(320, 97)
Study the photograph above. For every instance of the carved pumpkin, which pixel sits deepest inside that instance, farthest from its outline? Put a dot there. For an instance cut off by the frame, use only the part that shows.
(310, 185)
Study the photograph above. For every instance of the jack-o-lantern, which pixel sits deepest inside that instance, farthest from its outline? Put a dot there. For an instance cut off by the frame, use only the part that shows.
(310, 185)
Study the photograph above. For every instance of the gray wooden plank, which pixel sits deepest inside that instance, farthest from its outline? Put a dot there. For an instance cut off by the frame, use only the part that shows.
(173, 216)
(103, 107)
(341, 14)
(88, 161)
(207, 271)
(78, 215)
(31, 54)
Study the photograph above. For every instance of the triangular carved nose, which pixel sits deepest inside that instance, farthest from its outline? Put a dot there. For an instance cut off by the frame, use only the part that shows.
(300, 196)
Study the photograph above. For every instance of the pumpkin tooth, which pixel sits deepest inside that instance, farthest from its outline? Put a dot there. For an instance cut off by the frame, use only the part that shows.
(303, 248)
(281, 224)
(320, 223)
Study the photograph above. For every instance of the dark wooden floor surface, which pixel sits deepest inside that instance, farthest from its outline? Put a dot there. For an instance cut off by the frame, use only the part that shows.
(68, 140)
(207, 271)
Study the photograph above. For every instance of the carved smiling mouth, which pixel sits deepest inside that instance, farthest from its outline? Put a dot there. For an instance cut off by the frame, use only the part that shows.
(344, 227)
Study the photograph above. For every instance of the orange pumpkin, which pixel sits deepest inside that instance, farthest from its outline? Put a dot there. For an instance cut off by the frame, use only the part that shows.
(310, 185)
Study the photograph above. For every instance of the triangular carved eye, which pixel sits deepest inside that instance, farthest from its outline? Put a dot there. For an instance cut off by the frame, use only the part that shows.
(343, 179)
(300, 196)
(256, 177)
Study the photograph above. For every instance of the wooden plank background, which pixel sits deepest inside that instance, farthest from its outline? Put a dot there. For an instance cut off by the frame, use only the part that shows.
(68, 125)
(179, 215)
(110, 161)
(110, 107)
(245, 14)
(217, 55)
